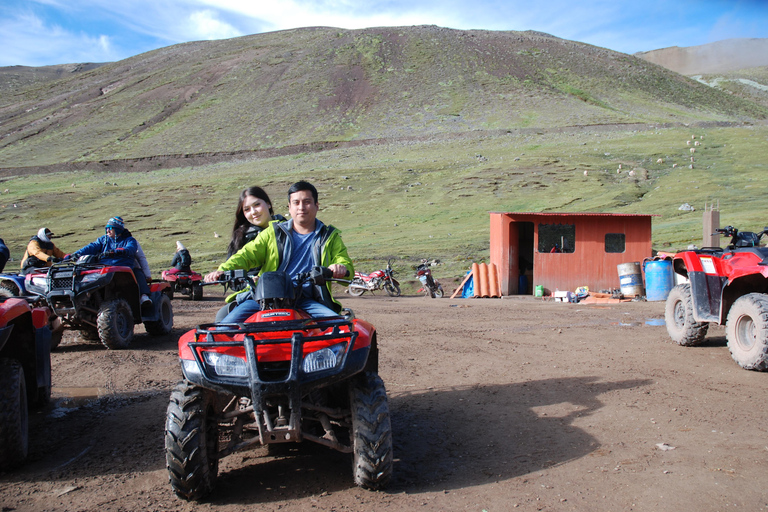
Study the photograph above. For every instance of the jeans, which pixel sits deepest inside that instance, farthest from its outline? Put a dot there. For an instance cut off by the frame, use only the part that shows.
(141, 280)
(249, 307)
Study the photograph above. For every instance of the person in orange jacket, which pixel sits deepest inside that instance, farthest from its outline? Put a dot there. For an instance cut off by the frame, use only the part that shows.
(41, 252)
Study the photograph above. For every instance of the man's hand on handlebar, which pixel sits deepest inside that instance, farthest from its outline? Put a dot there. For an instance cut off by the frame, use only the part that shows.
(213, 277)
(339, 270)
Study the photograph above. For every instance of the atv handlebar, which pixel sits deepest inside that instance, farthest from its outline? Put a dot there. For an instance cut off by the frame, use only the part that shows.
(318, 275)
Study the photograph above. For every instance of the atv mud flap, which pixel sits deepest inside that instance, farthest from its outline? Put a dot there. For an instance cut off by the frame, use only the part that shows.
(707, 291)
(5, 333)
(43, 356)
(152, 314)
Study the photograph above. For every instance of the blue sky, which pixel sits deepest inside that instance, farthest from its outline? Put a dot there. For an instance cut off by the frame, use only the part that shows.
(44, 32)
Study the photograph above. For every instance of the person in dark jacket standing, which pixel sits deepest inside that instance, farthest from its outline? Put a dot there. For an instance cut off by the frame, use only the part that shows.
(182, 260)
(41, 252)
(5, 254)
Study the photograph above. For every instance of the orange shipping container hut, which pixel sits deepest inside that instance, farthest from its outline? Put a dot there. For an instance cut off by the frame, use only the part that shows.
(566, 250)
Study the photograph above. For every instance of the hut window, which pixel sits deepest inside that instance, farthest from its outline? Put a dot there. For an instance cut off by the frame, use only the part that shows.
(555, 238)
(615, 242)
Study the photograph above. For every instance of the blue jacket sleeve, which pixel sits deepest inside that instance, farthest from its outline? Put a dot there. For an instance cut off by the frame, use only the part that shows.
(95, 247)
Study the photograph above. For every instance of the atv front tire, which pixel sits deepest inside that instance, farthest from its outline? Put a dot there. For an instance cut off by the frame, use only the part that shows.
(165, 324)
(197, 292)
(678, 315)
(371, 432)
(14, 415)
(438, 294)
(191, 441)
(747, 331)
(115, 321)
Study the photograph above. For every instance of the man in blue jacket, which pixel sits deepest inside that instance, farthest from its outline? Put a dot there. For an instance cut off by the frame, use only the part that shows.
(117, 248)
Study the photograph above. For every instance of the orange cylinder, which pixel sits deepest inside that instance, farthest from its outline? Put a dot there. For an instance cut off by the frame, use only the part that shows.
(476, 279)
(483, 280)
(493, 281)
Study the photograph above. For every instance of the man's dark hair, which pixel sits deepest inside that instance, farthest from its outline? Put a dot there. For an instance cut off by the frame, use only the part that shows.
(302, 185)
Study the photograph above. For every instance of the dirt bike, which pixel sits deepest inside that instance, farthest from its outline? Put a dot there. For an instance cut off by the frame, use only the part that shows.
(25, 372)
(185, 283)
(375, 281)
(431, 287)
(279, 377)
(102, 301)
(726, 286)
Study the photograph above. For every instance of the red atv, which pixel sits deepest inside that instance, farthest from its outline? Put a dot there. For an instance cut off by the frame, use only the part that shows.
(102, 301)
(726, 286)
(185, 283)
(25, 372)
(279, 377)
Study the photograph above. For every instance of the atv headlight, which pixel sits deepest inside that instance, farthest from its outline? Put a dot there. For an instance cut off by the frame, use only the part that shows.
(89, 278)
(323, 359)
(38, 282)
(225, 365)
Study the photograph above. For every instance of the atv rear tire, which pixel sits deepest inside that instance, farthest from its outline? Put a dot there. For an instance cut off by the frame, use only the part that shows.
(197, 292)
(354, 290)
(678, 315)
(14, 415)
(371, 432)
(191, 441)
(747, 331)
(115, 321)
(165, 324)
(392, 289)
(8, 289)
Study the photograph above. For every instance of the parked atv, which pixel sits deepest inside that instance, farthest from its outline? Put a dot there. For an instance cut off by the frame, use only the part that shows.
(25, 373)
(726, 286)
(185, 283)
(279, 377)
(102, 301)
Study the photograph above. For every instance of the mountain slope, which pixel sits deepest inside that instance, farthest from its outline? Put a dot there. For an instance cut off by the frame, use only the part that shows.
(718, 57)
(325, 84)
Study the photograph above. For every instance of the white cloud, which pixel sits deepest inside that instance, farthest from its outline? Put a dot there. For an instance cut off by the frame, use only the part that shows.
(28, 40)
(205, 25)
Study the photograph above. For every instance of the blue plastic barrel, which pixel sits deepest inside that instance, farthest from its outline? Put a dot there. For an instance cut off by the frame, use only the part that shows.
(659, 279)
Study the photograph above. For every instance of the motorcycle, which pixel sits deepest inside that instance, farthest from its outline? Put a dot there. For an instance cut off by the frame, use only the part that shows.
(375, 281)
(430, 286)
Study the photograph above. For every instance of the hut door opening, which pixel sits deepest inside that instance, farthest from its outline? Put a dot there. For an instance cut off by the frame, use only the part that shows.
(525, 259)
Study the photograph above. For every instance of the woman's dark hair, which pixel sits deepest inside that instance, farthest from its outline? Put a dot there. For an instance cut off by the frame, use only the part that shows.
(241, 223)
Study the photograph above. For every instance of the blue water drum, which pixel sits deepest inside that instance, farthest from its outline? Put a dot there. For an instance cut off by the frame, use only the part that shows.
(659, 279)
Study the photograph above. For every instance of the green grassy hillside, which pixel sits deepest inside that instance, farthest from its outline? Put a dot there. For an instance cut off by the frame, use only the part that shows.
(415, 200)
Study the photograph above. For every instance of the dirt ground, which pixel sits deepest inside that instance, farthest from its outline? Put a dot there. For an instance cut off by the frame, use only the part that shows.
(496, 404)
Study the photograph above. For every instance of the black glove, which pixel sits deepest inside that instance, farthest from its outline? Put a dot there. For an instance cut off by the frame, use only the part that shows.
(107, 254)
(50, 259)
(55, 260)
